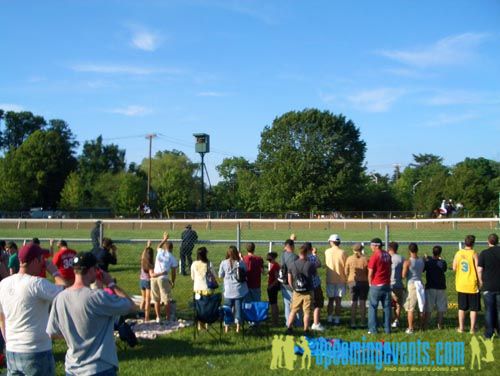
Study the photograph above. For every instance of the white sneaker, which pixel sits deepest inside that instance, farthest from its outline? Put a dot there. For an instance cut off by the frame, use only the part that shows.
(318, 327)
(336, 320)
(395, 324)
(158, 320)
(329, 319)
(409, 331)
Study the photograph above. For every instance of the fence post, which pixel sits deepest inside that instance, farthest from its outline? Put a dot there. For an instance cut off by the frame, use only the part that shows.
(386, 235)
(271, 246)
(238, 236)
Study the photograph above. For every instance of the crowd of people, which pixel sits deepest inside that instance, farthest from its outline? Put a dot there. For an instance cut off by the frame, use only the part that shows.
(84, 301)
(81, 306)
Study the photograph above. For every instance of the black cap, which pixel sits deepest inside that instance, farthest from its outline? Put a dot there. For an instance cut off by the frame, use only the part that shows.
(84, 260)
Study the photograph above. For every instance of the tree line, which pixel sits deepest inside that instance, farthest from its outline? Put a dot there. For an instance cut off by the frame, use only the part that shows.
(308, 160)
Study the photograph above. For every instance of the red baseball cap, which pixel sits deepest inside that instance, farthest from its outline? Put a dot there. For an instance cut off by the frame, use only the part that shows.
(29, 252)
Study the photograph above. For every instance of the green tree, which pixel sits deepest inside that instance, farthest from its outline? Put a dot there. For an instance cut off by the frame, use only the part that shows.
(73, 193)
(36, 170)
(97, 158)
(172, 178)
(474, 183)
(422, 185)
(310, 159)
(129, 195)
(238, 188)
(18, 127)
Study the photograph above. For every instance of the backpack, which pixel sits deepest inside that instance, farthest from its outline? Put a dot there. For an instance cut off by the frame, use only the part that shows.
(283, 274)
(300, 282)
(241, 274)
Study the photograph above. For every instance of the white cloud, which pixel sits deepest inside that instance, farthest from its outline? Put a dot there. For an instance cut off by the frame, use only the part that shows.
(462, 97)
(11, 107)
(377, 100)
(451, 50)
(211, 94)
(132, 110)
(145, 40)
(122, 69)
(446, 119)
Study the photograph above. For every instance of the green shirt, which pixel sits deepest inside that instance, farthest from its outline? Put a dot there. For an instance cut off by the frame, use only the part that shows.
(14, 262)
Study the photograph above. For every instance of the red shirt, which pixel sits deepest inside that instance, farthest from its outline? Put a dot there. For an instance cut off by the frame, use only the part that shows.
(63, 259)
(273, 273)
(255, 266)
(380, 263)
(43, 270)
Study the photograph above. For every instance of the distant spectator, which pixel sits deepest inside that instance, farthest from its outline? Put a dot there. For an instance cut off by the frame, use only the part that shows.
(335, 258)
(24, 311)
(288, 256)
(161, 284)
(255, 268)
(46, 255)
(318, 297)
(189, 238)
(234, 290)
(467, 283)
(300, 277)
(412, 271)
(106, 255)
(488, 267)
(96, 235)
(397, 287)
(199, 271)
(13, 263)
(63, 260)
(147, 267)
(435, 286)
(273, 285)
(379, 278)
(356, 270)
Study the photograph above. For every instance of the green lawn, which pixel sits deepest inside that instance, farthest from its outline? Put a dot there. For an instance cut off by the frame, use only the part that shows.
(178, 354)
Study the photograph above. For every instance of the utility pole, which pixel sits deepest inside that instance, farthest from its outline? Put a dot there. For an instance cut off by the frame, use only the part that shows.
(150, 137)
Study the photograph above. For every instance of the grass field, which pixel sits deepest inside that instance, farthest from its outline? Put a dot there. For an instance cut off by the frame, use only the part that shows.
(178, 354)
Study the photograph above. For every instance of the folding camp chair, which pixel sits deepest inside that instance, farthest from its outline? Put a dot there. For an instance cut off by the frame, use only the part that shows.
(207, 310)
(255, 313)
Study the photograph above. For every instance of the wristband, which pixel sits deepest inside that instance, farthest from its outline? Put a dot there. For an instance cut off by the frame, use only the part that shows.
(56, 274)
(111, 285)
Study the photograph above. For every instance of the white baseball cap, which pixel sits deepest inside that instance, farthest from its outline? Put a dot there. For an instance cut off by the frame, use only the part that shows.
(334, 238)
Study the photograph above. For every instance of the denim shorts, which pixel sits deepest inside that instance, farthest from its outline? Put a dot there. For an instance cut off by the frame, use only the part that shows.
(33, 364)
(145, 284)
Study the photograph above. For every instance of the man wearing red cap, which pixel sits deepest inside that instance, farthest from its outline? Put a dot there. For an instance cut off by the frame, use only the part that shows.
(25, 299)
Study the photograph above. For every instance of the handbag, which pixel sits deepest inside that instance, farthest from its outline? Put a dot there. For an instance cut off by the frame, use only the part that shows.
(211, 280)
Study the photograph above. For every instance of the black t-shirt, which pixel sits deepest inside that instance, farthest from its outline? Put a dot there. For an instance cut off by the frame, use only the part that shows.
(435, 269)
(306, 268)
(489, 260)
(104, 258)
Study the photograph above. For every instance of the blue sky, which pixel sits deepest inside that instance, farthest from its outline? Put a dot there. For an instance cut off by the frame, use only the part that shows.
(414, 76)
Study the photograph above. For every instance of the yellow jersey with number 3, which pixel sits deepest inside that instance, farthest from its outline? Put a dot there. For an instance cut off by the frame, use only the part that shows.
(466, 276)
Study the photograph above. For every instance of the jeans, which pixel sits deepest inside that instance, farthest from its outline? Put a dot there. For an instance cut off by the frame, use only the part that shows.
(31, 364)
(236, 303)
(492, 312)
(254, 295)
(379, 294)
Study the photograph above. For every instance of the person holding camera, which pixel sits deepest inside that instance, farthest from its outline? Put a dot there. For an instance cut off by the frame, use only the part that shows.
(86, 318)
(106, 254)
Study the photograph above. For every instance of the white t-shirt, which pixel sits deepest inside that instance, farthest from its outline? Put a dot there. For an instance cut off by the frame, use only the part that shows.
(25, 302)
(164, 262)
